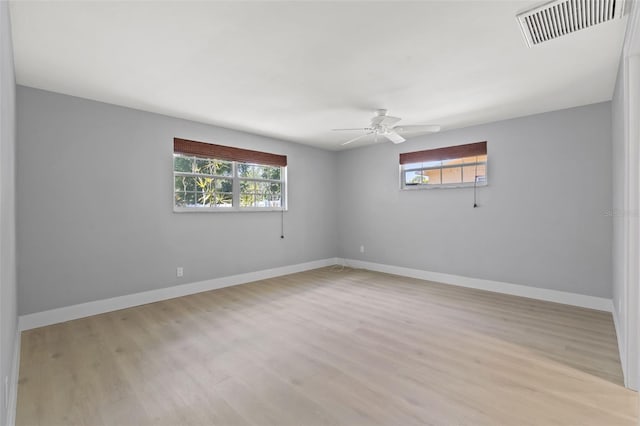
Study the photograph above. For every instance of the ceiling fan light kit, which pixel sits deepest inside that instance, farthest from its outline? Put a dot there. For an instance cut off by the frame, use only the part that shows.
(385, 125)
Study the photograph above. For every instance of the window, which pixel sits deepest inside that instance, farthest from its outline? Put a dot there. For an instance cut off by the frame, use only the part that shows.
(208, 177)
(450, 167)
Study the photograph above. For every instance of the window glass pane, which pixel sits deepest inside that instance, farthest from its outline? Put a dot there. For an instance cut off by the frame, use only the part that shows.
(190, 199)
(274, 200)
(180, 199)
(256, 171)
(206, 198)
(246, 200)
(263, 187)
(452, 175)
(191, 183)
(224, 185)
(246, 170)
(204, 166)
(207, 195)
(178, 183)
(185, 183)
(274, 188)
(267, 200)
(270, 173)
(482, 172)
(469, 172)
(210, 166)
(432, 176)
(204, 184)
(424, 165)
(182, 164)
(243, 169)
(224, 168)
(412, 166)
(224, 199)
(260, 200)
(248, 186)
(452, 161)
(476, 159)
(416, 177)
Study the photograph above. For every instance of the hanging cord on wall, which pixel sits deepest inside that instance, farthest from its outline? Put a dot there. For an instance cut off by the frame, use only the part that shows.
(475, 186)
(282, 223)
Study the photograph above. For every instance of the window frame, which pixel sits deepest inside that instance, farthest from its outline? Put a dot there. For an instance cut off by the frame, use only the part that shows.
(235, 194)
(238, 193)
(460, 154)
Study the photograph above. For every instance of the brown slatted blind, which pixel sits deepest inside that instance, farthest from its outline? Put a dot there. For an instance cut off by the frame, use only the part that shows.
(447, 153)
(229, 153)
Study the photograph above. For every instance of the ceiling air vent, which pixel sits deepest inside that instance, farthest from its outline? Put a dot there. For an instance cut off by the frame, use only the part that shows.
(561, 17)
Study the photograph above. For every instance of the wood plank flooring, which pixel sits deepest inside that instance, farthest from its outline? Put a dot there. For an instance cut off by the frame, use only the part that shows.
(328, 347)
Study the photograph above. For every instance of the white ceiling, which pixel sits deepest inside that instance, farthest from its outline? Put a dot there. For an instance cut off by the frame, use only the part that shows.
(294, 70)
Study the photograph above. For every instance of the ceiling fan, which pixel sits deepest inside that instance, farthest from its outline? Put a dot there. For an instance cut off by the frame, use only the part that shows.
(384, 125)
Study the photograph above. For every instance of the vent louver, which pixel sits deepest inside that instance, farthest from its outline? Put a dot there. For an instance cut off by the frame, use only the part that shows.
(561, 17)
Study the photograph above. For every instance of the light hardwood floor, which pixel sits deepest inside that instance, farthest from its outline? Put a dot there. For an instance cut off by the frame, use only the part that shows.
(348, 347)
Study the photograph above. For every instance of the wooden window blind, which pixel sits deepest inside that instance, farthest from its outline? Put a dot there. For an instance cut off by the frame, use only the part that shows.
(229, 153)
(447, 153)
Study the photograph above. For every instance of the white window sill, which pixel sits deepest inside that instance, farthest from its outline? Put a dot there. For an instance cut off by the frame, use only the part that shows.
(224, 210)
(445, 186)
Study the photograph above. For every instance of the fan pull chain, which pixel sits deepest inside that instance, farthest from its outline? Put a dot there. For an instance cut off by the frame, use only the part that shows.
(475, 186)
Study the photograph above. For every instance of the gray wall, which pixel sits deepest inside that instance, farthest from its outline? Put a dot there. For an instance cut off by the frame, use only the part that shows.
(95, 205)
(96, 221)
(542, 220)
(8, 316)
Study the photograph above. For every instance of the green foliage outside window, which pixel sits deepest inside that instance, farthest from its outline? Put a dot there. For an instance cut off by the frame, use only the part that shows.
(205, 182)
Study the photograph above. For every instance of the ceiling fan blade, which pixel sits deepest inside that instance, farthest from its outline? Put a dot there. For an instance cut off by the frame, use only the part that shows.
(355, 139)
(419, 128)
(384, 120)
(362, 129)
(394, 137)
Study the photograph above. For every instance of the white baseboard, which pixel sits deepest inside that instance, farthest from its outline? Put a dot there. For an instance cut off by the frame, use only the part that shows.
(574, 299)
(621, 344)
(68, 313)
(13, 380)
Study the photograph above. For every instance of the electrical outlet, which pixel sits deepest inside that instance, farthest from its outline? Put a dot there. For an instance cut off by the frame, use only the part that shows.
(361, 249)
(179, 271)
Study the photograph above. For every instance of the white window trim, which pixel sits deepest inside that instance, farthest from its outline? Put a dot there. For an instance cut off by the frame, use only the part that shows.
(235, 192)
